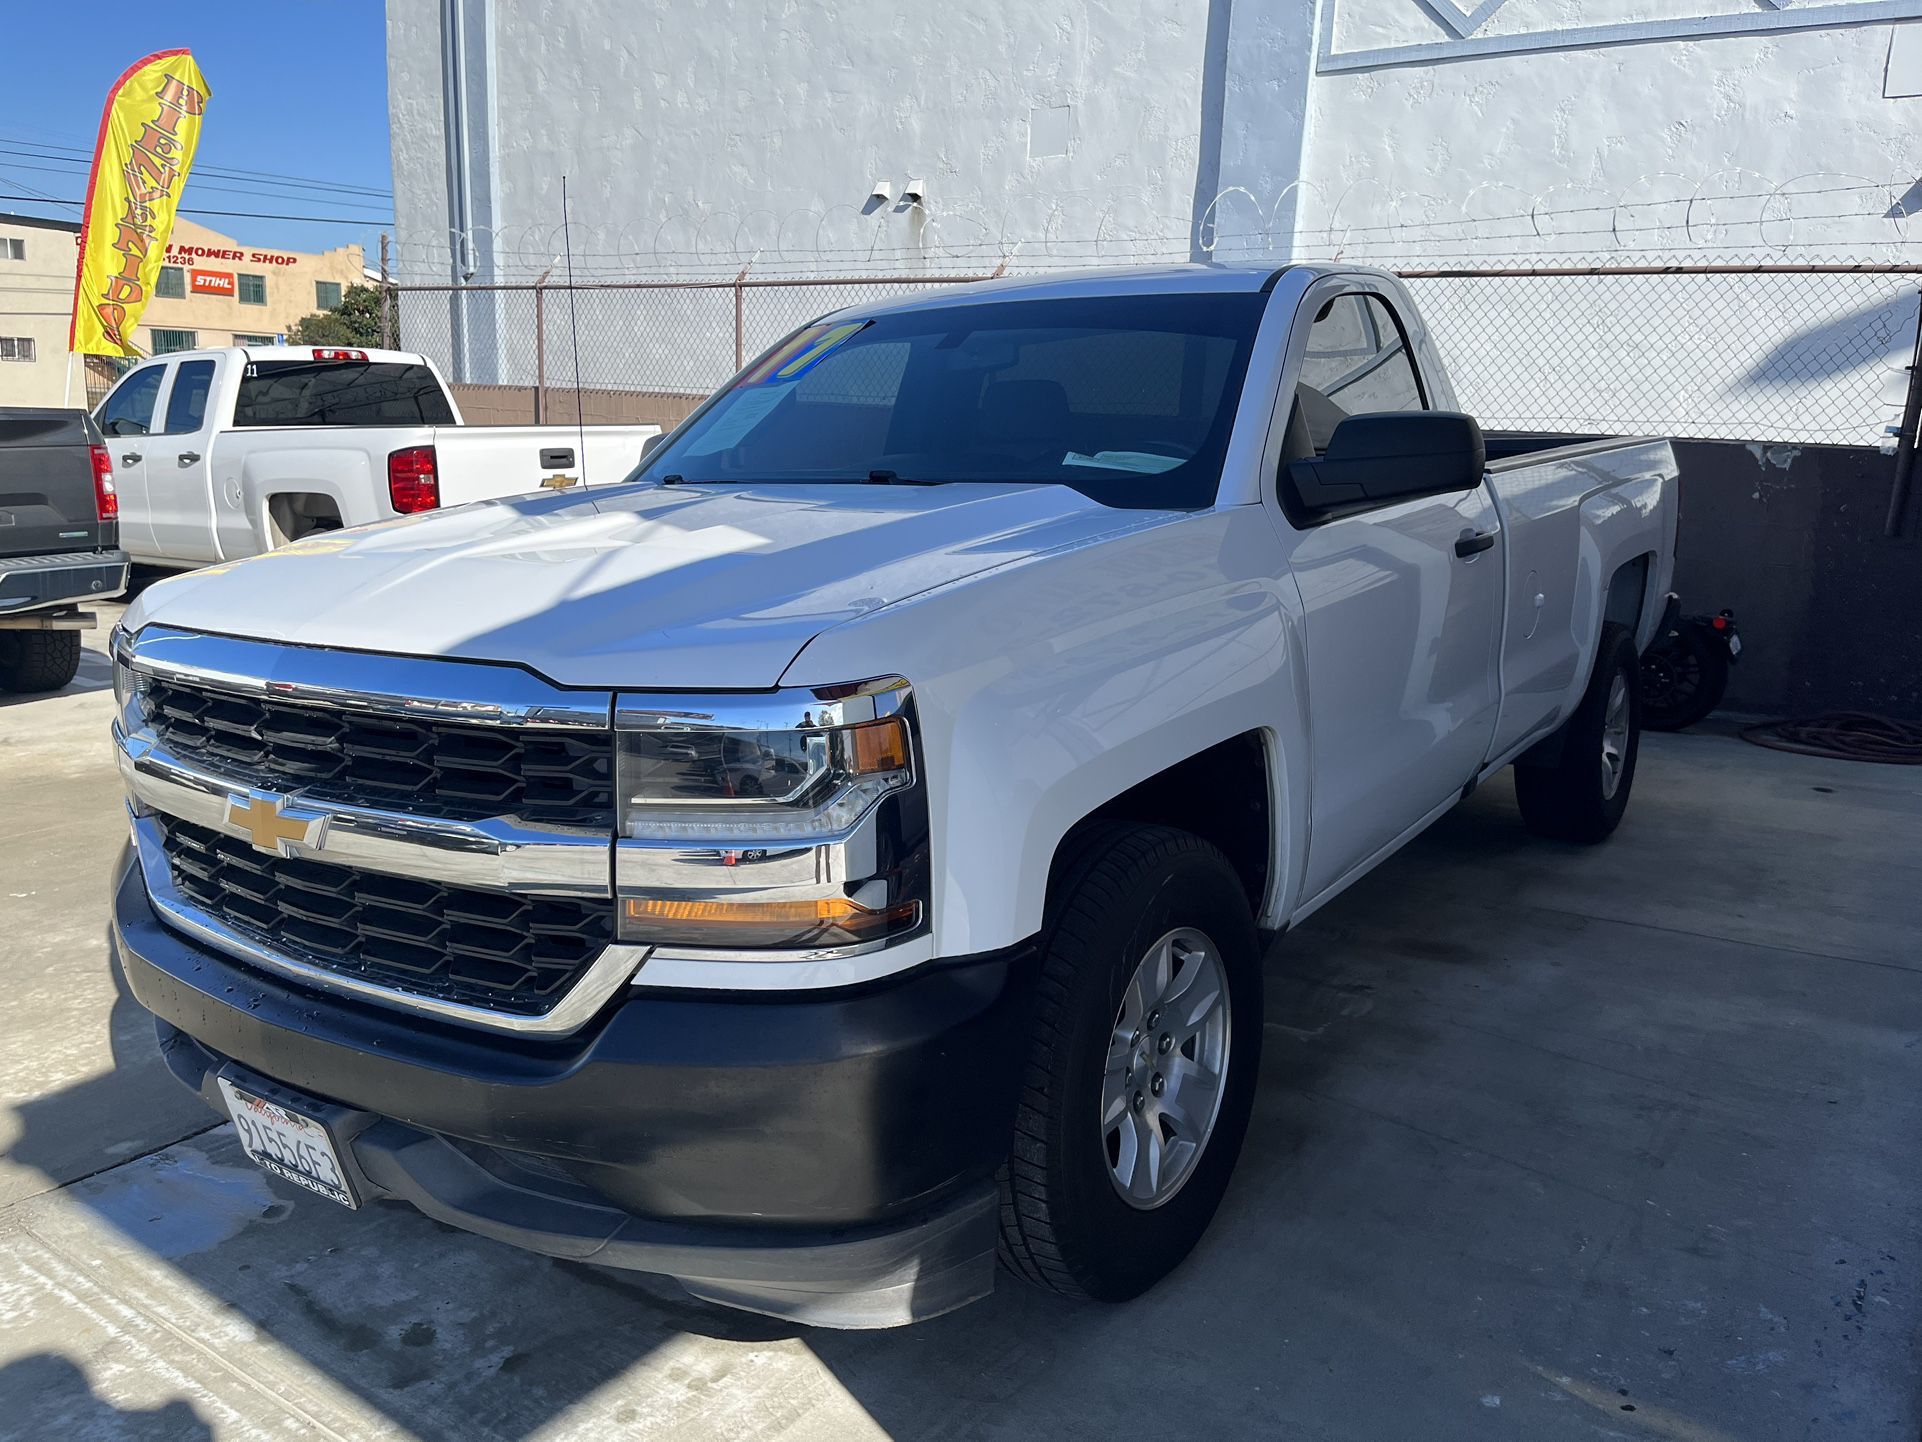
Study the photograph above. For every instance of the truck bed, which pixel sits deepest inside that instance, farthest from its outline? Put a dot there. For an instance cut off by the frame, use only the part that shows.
(1506, 448)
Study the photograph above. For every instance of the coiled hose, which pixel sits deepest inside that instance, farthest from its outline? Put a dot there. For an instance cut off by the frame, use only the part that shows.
(1844, 736)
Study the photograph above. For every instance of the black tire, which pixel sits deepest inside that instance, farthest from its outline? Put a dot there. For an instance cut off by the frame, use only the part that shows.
(1683, 677)
(1064, 1224)
(38, 660)
(1567, 798)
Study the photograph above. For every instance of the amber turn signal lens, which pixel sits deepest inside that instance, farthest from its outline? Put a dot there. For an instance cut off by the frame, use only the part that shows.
(825, 921)
(879, 746)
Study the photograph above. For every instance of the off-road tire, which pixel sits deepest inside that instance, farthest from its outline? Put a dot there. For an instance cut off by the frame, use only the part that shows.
(1683, 677)
(1064, 1225)
(1567, 799)
(33, 661)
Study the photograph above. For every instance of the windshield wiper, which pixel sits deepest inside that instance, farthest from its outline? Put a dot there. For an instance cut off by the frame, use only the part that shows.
(894, 478)
(872, 478)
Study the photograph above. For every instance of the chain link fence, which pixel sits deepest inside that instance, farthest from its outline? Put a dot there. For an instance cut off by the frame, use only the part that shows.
(631, 351)
(101, 374)
(1778, 354)
(1807, 353)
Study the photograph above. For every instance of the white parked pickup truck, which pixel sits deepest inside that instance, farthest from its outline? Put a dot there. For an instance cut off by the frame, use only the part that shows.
(220, 454)
(848, 852)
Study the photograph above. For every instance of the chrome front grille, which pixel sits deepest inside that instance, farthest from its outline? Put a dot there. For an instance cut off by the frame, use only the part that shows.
(429, 767)
(479, 948)
(433, 835)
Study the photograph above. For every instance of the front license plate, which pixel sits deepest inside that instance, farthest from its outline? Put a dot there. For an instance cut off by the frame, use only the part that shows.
(288, 1144)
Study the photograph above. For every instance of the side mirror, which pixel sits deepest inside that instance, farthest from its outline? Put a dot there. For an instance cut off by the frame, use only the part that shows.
(1392, 456)
(648, 445)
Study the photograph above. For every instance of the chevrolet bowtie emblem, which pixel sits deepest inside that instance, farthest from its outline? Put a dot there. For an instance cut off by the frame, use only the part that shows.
(559, 481)
(274, 826)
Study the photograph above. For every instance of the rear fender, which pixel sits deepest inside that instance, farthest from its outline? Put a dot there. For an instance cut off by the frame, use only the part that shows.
(1630, 524)
(345, 474)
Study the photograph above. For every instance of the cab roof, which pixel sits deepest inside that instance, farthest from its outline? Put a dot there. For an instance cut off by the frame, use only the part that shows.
(1175, 279)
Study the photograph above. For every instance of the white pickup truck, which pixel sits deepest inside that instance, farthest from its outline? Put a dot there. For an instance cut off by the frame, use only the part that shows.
(225, 453)
(849, 851)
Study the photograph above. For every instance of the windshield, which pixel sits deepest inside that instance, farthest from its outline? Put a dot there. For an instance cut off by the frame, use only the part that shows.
(1128, 399)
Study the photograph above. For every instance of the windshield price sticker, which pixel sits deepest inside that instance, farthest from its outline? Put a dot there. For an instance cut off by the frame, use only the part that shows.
(801, 353)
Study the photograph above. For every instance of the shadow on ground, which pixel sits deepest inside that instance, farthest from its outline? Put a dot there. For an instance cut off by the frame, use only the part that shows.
(1548, 1143)
(50, 1397)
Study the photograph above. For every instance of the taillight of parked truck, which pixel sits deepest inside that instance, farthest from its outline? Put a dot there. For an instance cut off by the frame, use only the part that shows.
(106, 500)
(413, 479)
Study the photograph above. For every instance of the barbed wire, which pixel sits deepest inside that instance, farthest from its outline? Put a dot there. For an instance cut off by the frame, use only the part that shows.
(1734, 206)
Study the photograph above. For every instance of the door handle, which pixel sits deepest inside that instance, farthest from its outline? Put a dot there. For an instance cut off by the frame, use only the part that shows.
(188, 458)
(1471, 543)
(130, 458)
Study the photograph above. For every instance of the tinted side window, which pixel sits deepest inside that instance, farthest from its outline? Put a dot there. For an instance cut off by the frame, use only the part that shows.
(187, 403)
(1356, 363)
(1339, 341)
(129, 410)
(339, 393)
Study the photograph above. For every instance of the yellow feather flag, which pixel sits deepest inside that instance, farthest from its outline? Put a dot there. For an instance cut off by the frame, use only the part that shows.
(148, 132)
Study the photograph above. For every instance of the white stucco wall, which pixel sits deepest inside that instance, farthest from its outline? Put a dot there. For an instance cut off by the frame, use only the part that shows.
(697, 143)
(1763, 126)
(760, 130)
(1777, 146)
(1401, 132)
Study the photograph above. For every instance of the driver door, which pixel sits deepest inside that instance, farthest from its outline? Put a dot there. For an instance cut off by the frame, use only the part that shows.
(1401, 607)
(126, 419)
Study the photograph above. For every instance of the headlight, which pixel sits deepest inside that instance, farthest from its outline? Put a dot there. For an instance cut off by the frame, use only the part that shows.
(710, 784)
(785, 821)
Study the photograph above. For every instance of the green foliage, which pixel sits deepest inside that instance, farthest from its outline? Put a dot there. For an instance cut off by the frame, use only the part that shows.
(355, 321)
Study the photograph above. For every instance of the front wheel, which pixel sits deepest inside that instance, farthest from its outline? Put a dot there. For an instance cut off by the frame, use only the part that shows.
(1581, 793)
(1141, 1068)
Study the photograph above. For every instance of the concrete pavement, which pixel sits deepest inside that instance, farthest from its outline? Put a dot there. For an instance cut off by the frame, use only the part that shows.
(1551, 1143)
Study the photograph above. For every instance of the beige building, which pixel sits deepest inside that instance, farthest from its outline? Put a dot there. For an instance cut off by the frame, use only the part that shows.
(36, 308)
(213, 290)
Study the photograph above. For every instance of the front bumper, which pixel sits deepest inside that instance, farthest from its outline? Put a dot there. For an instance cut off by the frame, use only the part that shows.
(828, 1158)
(29, 583)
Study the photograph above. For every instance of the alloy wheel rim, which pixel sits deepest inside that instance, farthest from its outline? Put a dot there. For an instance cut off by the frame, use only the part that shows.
(1167, 1061)
(1670, 681)
(1615, 736)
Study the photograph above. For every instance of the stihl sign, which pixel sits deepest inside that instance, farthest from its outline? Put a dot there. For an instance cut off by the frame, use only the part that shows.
(210, 282)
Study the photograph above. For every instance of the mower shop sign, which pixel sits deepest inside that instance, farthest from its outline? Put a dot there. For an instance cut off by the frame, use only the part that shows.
(210, 282)
(187, 254)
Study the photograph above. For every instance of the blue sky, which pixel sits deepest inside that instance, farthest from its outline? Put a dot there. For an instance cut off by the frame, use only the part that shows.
(299, 89)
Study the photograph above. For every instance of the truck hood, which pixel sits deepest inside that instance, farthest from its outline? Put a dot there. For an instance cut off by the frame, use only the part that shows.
(643, 586)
